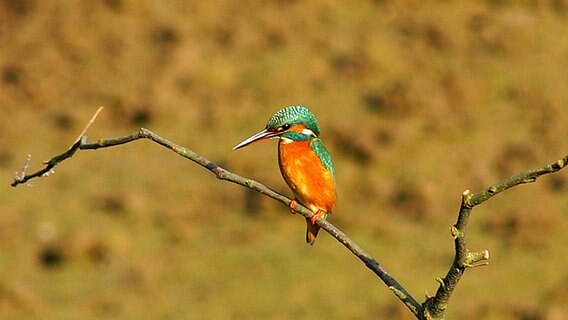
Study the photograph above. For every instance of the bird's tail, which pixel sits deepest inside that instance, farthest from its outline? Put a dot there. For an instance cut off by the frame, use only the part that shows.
(313, 228)
(311, 232)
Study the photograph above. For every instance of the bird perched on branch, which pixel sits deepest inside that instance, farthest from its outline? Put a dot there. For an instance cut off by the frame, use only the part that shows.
(304, 162)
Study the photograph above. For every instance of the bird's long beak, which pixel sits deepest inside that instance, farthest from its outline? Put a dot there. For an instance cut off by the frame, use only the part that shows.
(262, 135)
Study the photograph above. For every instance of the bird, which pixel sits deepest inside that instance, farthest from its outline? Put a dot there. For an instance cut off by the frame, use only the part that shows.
(304, 162)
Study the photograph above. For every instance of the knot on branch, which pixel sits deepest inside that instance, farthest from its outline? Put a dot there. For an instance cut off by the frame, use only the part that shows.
(560, 164)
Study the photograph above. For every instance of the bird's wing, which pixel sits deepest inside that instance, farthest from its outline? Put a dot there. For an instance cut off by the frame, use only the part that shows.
(321, 151)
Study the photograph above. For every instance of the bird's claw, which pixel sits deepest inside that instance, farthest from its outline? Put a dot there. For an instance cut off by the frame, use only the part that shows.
(318, 215)
(292, 205)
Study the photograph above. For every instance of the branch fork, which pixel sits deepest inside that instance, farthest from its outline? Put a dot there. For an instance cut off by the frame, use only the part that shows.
(433, 307)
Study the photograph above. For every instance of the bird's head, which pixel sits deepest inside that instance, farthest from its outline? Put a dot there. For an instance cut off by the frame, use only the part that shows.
(293, 123)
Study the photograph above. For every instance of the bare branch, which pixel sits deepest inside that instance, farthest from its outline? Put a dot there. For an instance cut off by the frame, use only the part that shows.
(50, 166)
(224, 174)
(435, 307)
(53, 162)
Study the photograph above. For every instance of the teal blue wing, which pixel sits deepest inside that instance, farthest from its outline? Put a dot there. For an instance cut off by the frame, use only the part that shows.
(318, 147)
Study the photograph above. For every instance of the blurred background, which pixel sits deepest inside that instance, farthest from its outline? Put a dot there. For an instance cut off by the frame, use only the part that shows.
(417, 100)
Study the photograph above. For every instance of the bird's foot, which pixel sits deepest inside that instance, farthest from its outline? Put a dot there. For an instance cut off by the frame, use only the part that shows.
(318, 215)
(292, 205)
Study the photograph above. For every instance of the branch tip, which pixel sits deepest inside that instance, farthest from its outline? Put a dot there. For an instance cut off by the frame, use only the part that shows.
(89, 124)
(21, 176)
(466, 199)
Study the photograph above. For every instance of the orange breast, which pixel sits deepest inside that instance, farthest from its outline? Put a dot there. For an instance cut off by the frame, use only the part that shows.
(304, 173)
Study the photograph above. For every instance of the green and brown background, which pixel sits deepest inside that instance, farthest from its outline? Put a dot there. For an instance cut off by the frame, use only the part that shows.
(417, 100)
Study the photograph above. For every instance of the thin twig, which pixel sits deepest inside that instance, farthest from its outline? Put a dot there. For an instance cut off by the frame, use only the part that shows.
(53, 162)
(89, 124)
(22, 174)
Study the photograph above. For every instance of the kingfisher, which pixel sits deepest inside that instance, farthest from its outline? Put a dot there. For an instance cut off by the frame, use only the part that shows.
(304, 162)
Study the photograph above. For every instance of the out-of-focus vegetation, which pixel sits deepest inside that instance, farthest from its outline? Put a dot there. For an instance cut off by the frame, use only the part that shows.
(417, 100)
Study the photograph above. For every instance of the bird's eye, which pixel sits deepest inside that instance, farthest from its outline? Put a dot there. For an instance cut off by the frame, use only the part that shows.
(285, 127)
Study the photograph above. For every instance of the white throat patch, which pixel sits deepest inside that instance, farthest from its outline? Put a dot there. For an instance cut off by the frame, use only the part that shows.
(285, 140)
